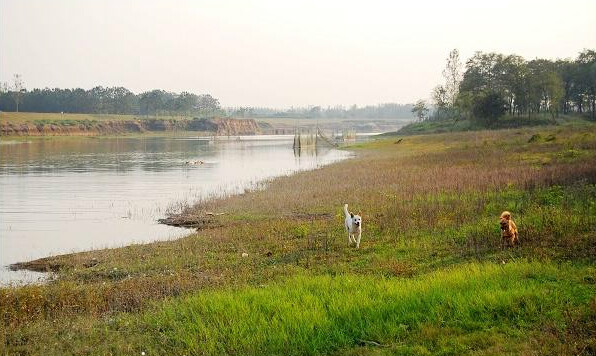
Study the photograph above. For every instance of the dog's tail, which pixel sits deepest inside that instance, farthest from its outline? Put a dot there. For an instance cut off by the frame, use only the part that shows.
(346, 211)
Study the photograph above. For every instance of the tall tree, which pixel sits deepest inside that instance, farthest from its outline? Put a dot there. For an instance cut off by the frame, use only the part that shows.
(420, 110)
(586, 80)
(206, 102)
(453, 77)
(17, 90)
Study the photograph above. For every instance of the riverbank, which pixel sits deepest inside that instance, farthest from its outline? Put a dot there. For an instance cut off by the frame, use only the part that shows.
(273, 274)
(15, 125)
(57, 124)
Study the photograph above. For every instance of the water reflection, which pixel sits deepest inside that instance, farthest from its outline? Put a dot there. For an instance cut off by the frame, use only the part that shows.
(310, 151)
(75, 194)
(99, 154)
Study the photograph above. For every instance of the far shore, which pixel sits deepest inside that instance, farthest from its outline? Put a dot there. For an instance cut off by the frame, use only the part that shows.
(25, 124)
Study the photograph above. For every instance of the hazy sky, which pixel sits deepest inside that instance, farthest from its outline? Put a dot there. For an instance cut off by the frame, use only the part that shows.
(277, 53)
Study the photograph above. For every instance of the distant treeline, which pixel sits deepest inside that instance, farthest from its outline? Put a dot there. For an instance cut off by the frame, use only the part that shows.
(119, 100)
(101, 100)
(381, 111)
(494, 84)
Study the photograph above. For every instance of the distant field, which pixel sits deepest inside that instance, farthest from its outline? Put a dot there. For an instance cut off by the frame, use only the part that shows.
(330, 121)
(20, 117)
(341, 124)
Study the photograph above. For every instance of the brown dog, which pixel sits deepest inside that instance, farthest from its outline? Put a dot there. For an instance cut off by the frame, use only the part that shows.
(509, 233)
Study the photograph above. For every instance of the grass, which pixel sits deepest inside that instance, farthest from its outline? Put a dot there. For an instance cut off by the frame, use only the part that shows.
(429, 278)
(55, 118)
(317, 315)
(506, 122)
(306, 315)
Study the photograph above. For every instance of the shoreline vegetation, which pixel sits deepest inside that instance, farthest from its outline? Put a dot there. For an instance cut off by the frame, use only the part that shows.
(273, 274)
(505, 122)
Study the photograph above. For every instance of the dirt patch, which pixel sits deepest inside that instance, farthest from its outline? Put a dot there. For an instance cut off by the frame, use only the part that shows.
(193, 221)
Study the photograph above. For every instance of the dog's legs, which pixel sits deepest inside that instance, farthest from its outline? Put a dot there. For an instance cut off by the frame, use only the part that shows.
(349, 239)
(358, 240)
(514, 241)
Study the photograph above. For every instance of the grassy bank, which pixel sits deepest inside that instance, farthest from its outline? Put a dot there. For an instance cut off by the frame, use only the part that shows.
(429, 277)
(22, 117)
(506, 122)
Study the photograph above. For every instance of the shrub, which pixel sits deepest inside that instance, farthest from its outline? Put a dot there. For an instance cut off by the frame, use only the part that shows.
(487, 108)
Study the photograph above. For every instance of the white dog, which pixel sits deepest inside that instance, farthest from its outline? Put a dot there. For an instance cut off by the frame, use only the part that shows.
(353, 226)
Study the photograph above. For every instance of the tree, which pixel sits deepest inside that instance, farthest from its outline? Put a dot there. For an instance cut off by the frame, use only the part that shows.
(509, 79)
(439, 98)
(154, 102)
(314, 112)
(420, 110)
(482, 72)
(119, 100)
(453, 77)
(586, 80)
(489, 107)
(18, 90)
(207, 103)
(186, 102)
(554, 91)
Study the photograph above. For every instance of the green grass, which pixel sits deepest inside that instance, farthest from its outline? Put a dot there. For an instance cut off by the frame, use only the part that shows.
(308, 315)
(506, 122)
(479, 305)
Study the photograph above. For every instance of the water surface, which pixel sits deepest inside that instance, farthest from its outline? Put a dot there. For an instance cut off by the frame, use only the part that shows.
(74, 194)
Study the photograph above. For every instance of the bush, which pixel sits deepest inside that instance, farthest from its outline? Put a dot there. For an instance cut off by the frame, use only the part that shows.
(487, 108)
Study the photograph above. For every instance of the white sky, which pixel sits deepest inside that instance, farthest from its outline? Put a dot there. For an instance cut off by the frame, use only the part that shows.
(277, 53)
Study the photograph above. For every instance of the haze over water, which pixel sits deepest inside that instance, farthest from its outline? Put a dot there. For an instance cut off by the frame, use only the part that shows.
(76, 194)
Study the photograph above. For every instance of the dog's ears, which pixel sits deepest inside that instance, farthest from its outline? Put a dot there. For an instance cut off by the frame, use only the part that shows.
(352, 215)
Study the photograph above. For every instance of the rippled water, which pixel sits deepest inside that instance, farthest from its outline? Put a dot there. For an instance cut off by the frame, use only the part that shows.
(73, 194)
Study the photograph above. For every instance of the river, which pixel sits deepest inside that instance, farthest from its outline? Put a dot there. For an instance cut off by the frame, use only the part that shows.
(71, 194)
